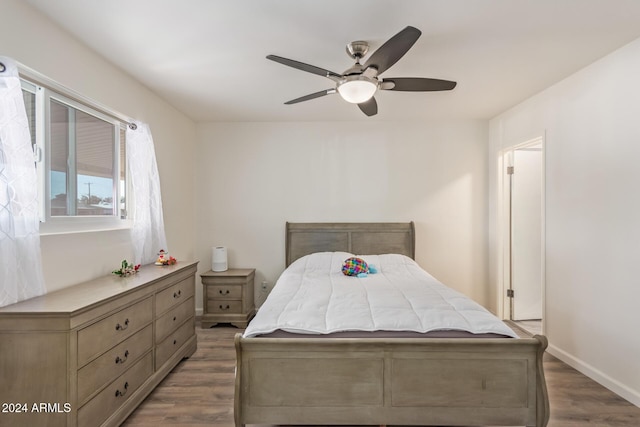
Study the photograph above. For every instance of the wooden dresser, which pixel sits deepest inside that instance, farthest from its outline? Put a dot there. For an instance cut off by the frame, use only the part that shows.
(228, 297)
(87, 355)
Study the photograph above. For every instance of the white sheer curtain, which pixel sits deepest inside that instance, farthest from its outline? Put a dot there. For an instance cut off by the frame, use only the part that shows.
(20, 258)
(148, 223)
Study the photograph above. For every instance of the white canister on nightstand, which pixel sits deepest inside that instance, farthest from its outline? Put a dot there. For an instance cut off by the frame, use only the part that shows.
(219, 259)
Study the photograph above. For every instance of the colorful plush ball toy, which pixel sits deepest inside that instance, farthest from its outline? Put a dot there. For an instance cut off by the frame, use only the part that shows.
(355, 267)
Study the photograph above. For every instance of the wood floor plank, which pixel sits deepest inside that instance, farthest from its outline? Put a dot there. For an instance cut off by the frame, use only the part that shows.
(199, 392)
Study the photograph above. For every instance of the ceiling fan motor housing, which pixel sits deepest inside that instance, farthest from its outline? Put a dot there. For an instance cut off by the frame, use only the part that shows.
(357, 49)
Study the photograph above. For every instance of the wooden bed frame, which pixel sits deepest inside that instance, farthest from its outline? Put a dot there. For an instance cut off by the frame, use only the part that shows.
(373, 381)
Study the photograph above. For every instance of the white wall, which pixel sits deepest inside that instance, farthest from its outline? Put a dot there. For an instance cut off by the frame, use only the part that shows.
(34, 41)
(253, 177)
(591, 122)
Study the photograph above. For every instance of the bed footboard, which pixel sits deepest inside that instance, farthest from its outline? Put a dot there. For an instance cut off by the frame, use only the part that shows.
(497, 382)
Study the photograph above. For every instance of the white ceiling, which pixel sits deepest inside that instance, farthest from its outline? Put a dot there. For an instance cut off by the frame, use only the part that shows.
(207, 57)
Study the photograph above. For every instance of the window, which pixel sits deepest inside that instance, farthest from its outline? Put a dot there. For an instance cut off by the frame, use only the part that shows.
(80, 157)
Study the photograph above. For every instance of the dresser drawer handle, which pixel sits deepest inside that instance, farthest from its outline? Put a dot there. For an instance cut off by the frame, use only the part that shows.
(122, 393)
(224, 308)
(226, 292)
(177, 294)
(175, 342)
(120, 360)
(175, 318)
(119, 327)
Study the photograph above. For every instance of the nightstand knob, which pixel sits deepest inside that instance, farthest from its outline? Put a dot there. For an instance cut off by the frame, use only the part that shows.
(226, 292)
(224, 308)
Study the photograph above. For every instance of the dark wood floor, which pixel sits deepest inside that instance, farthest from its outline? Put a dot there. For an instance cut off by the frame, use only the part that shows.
(199, 392)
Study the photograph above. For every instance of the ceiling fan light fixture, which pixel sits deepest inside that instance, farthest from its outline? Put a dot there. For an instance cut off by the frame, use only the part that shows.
(357, 89)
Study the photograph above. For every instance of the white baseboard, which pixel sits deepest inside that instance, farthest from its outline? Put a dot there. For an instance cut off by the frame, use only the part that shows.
(598, 376)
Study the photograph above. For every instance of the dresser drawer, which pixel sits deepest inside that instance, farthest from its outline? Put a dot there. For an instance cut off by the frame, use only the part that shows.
(113, 363)
(169, 321)
(217, 306)
(101, 336)
(173, 342)
(224, 291)
(174, 295)
(115, 394)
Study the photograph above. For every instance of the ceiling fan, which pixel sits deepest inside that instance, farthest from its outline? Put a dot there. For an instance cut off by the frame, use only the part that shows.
(359, 83)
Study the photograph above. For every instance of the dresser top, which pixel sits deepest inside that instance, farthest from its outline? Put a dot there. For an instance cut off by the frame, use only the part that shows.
(86, 294)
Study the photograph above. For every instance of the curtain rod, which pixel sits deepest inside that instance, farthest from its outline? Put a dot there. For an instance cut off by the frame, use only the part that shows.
(47, 82)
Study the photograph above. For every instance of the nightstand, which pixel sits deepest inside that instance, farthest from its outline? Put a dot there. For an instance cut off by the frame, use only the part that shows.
(227, 297)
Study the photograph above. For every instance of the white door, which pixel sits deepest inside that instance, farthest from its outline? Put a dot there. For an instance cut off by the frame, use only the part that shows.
(526, 233)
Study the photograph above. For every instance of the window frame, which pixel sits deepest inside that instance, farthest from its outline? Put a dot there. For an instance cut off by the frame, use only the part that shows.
(45, 91)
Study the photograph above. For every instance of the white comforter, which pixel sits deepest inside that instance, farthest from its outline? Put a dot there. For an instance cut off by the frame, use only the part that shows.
(312, 296)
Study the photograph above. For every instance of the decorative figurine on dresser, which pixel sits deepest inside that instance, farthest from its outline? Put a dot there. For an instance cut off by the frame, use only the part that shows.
(228, 297)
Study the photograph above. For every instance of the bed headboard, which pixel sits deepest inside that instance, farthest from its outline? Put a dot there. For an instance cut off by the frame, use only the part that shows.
(362, 238)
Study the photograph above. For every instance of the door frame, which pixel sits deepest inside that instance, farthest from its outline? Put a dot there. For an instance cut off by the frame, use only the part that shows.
(504, 226)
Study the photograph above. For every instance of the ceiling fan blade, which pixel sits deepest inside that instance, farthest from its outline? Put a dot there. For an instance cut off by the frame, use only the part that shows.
(393, 49)
(305, 67)
(311, 96)
(416, 84)
(370, 107)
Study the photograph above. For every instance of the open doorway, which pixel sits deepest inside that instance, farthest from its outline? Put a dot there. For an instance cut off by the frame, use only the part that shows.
(524, 254)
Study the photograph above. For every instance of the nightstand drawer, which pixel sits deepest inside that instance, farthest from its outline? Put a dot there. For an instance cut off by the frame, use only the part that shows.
(224, 291)
(224, 306)
(113, 396)
(95, 339)
(174, 318)
(174, 295)
(173, 342)
(113, 363)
